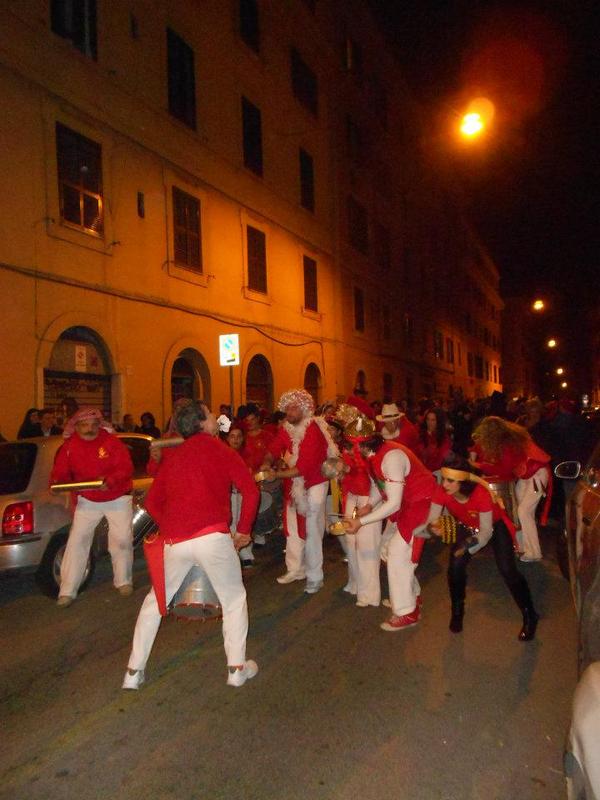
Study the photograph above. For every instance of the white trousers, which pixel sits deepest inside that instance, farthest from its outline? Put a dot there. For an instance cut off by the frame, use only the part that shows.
(217, 556)
(305, 556)
(363, 553)
(402, 581)
(87, 515)
(527, 501)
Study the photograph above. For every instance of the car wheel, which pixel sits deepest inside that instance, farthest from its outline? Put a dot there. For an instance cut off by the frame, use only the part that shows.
(48, 574)
(562, 553)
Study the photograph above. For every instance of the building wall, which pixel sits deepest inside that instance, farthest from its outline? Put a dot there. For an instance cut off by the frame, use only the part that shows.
(125, 287)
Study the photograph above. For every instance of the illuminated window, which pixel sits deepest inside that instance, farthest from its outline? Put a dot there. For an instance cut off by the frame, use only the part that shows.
(79, 180)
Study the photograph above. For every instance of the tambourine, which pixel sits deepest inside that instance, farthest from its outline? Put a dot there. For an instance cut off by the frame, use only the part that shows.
(338, 528)
(454, 531)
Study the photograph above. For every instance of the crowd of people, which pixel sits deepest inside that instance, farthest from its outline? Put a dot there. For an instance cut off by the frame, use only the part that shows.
(384, 476)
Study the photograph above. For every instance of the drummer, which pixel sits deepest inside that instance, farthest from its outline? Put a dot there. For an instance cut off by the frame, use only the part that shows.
(92, 452)
(190, 500)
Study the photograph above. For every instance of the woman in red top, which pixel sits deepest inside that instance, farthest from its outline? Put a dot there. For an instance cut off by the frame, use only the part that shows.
(505, 452)
(434, 442)
(464, 496)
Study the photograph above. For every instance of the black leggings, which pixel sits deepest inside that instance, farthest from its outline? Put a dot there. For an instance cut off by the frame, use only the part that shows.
(502, 545)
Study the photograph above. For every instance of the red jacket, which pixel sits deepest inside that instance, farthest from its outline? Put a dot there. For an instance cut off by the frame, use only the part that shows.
(312, 452)
(190, 495)
(103, 458)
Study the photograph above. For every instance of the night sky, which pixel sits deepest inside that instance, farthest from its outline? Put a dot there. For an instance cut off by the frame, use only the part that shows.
(532, 187)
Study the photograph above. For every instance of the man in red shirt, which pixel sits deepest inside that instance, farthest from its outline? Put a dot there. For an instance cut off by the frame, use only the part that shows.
(303, 442)
(92, 453)
(190, 501)
(396, 427)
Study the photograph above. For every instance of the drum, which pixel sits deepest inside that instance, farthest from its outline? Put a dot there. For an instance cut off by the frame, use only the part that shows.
(196, 600)
(266, 501)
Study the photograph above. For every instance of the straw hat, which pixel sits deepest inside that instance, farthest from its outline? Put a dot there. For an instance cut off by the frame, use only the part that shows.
(389, 412)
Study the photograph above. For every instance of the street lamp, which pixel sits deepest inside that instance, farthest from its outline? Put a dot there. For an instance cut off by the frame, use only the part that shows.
(538, 305)
(551, 343)
(478, 116)
(564, 385)
(559, 370)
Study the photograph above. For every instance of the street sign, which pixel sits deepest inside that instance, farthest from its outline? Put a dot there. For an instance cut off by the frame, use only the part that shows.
(229, 350)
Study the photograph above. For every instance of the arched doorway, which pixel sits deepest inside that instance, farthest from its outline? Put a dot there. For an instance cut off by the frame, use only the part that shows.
(79, 368)
(190, 377)
(259, 383)
(312, 382)
(360, 384)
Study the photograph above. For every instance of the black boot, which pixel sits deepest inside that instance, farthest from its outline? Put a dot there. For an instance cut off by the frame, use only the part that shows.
(530, 621)
(456, 620)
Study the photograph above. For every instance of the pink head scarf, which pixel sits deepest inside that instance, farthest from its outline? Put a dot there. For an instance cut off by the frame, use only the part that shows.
(89, 412)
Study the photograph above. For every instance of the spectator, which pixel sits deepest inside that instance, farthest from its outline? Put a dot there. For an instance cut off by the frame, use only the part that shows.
(148, 425)
(48, 423)
(434, 443)
(30, 425)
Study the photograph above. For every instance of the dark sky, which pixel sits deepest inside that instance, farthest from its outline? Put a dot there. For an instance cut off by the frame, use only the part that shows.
(533, 186)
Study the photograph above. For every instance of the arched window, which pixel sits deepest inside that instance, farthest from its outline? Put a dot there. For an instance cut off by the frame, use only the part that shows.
(259, 383)
(312, 382)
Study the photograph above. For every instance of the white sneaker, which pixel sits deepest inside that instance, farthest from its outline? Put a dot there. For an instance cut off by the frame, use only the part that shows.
(290, 577)
(133, 681)
(312, 587)
(239, 676)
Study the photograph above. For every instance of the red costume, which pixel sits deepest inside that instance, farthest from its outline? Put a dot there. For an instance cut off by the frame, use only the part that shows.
(431, 453)
(255, 448)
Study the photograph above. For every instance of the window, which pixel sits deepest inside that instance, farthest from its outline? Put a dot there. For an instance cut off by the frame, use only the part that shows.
(307, 181)
(382, 246)
(187, 232)
(79, 180)
(353, 60)
(75, 20)
(388, 387)
(487, 370)
(479, 366)
(141, 205)
(409, 330)
(311, 300)
(450, 351)
(470, 365)
(358, 226)
(495, 374)
(249, 24)
(438, 344)
(386, 320)
(257, 259)
(181, 80)
(252, 133)
(359, 309)
(304, 83)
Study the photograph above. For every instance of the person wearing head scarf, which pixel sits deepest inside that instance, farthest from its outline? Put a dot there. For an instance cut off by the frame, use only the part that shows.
(363, 548)
(299, 450)
(401, 492)
(30, 425)
(479, 518)
(92, 452)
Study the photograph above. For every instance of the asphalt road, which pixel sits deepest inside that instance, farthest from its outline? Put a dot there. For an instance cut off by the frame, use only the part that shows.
(339, 709)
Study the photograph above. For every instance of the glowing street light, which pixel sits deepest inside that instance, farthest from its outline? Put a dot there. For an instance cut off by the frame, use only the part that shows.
(478, 116)
(471, 124)
(538, 305)
(559, 371)
(564, 385)
(551, 343)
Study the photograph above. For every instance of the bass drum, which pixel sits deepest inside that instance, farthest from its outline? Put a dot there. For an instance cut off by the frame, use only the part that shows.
(196, 600)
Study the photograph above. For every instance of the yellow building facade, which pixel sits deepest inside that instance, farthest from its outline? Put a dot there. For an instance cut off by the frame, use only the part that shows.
(172, 173)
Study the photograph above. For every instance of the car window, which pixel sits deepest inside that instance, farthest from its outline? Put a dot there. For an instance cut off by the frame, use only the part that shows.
(16, 466)
(139, 450)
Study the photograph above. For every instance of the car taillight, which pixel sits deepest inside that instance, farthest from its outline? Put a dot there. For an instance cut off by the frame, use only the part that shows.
(17, 519)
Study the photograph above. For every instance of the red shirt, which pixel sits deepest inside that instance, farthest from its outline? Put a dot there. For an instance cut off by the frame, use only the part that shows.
(479, 501)
(357, 481)
(103, 458)
(513, 464)
(255, 448)
(432, 454)
(191, 492)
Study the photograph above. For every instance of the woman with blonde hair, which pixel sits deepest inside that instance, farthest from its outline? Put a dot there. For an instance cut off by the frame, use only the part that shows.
(505, 453)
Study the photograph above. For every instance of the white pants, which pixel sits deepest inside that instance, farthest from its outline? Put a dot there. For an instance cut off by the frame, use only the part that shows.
(403, 584)
(217, 556)
(87, 515)
(362, 551)
(527, 501)
(305, 556)
(245, 553)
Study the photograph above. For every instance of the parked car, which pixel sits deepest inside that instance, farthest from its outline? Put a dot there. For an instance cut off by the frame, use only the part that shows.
(582, 532)
(36, 522)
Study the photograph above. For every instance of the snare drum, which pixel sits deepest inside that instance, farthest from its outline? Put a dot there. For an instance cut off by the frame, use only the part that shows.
(196, 599)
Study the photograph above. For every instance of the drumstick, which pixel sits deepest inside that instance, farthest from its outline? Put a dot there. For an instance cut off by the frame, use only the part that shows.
(158, 444)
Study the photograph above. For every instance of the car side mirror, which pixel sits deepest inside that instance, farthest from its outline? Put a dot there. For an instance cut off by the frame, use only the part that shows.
(568, 469)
